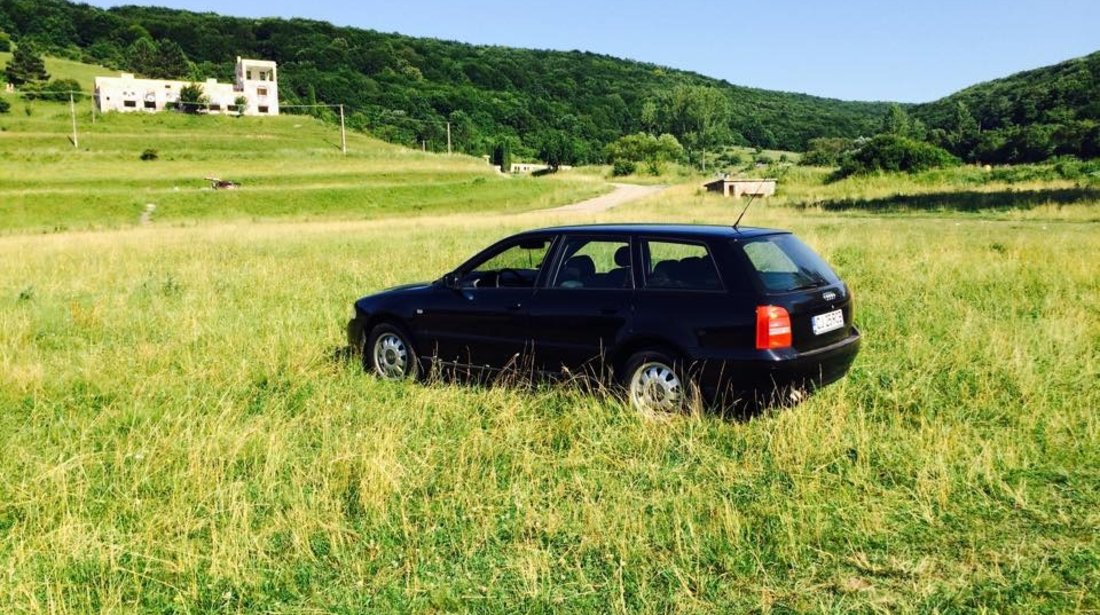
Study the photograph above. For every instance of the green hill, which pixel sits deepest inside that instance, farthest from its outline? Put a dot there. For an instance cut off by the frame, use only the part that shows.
(64, 68)
(406, 89)
(1026, 117)
(539, 103)
(289, 167)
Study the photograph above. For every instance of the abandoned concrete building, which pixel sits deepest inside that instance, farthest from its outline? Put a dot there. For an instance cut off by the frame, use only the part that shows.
(257, 83)
(739, 187)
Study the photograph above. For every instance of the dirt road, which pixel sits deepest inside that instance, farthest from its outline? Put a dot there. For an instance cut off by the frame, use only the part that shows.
(623, 193)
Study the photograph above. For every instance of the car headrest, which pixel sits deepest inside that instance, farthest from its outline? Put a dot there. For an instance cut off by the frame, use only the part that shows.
(622, 256)
(664, 269)
(584, 264)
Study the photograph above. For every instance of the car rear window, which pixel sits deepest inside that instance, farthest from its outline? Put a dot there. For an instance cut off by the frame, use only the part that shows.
(783, 263)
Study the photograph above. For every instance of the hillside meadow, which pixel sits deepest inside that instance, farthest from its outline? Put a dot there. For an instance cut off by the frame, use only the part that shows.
(181, 435)
(289, 167)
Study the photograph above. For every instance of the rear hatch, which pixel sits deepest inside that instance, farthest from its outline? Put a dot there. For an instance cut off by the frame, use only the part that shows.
(790, 275)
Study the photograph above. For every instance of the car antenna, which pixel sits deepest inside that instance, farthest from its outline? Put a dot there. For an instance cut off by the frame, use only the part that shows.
(756, 192)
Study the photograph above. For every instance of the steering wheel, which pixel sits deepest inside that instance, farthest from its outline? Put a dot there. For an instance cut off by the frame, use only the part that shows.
(512, 272)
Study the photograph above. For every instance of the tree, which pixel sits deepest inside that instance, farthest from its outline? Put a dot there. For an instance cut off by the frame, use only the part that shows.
(502, 157)
(962, 131)
(5, 106)
(142, 56)
(557, 148)
(896, 121)
(626, 152)
(169, 62)
(242, 105)
(650, 117)
(26, 67)
(698, 115)
(1090, 145)
(192, 98)
(5, 41)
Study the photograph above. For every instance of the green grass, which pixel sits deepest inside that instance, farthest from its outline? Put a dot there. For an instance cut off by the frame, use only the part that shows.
(61, 68)
(290, 167)
(178, 437)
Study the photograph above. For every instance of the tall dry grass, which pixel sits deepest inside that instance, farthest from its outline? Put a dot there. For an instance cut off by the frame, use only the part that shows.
(178, 438)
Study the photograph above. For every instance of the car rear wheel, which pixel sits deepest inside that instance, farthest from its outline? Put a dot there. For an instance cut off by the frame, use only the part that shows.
(389, 354)
(656, 383)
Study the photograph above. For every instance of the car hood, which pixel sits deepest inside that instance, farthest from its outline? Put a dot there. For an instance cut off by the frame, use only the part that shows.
(406, 287)
(414, 288)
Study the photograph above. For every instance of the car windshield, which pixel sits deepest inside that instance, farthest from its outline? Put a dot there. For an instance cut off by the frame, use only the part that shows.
(783, 263)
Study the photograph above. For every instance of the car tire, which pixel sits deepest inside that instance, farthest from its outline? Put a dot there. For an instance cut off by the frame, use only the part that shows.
(388, 353)
(656, 383)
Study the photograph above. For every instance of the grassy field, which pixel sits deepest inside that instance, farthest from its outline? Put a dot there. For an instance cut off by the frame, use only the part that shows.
(61, 68)
(179, 438)
(179, 434)
(289, 167)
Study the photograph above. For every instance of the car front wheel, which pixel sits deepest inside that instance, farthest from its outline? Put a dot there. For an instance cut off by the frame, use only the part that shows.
(389, 354)
(656, 383)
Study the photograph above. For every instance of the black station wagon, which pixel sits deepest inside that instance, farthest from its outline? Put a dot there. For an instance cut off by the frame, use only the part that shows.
(662, 309)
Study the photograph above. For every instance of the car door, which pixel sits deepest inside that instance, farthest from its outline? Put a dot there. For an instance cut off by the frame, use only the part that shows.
(682, 297)
(480, 318)
(584, 306)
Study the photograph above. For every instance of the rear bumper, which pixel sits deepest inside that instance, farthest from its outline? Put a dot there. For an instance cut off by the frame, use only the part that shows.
(766, 371)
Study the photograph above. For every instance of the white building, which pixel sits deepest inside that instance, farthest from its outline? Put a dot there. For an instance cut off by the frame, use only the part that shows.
(256, 82)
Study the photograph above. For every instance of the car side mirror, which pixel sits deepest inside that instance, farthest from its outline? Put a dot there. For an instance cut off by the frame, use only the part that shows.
(452, 280)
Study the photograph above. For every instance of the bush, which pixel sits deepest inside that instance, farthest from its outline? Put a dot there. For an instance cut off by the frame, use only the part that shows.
(192, 98)
(827, 151)
(5, 41)
(149, 154)
(57, 91)
(5, 106)
(730, 158)
(623, 167)
(887, 152)
(630, 150)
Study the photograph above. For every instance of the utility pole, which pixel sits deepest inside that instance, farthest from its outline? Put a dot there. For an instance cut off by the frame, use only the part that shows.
(92, 100)
(72, 112)
(448, 138)
(343, 134)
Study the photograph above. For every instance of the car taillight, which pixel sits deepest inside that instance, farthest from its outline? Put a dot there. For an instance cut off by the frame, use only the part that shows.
(773, 327)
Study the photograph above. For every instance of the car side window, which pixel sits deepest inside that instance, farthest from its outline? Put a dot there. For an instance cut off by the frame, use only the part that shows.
(679, 265)
(587, 262)
(515, 265)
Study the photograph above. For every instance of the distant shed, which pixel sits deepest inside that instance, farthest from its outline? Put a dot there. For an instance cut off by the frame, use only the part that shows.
(738, 187)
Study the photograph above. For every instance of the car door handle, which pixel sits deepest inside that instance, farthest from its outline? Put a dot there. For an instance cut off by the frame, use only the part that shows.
(515, 307)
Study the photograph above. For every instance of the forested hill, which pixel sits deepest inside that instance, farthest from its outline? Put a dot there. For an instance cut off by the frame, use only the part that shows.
(568, 105)
(1029, 116)
(406, 89)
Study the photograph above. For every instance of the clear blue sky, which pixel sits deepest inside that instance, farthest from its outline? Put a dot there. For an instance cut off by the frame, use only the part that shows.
(910, 51)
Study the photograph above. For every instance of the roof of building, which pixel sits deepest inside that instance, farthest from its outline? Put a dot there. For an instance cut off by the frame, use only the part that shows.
(741, 180)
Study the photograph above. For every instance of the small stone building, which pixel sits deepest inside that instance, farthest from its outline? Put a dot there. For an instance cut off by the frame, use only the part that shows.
(738, 187)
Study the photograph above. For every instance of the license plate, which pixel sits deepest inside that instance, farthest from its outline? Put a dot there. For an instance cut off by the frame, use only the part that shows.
(830, 321)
